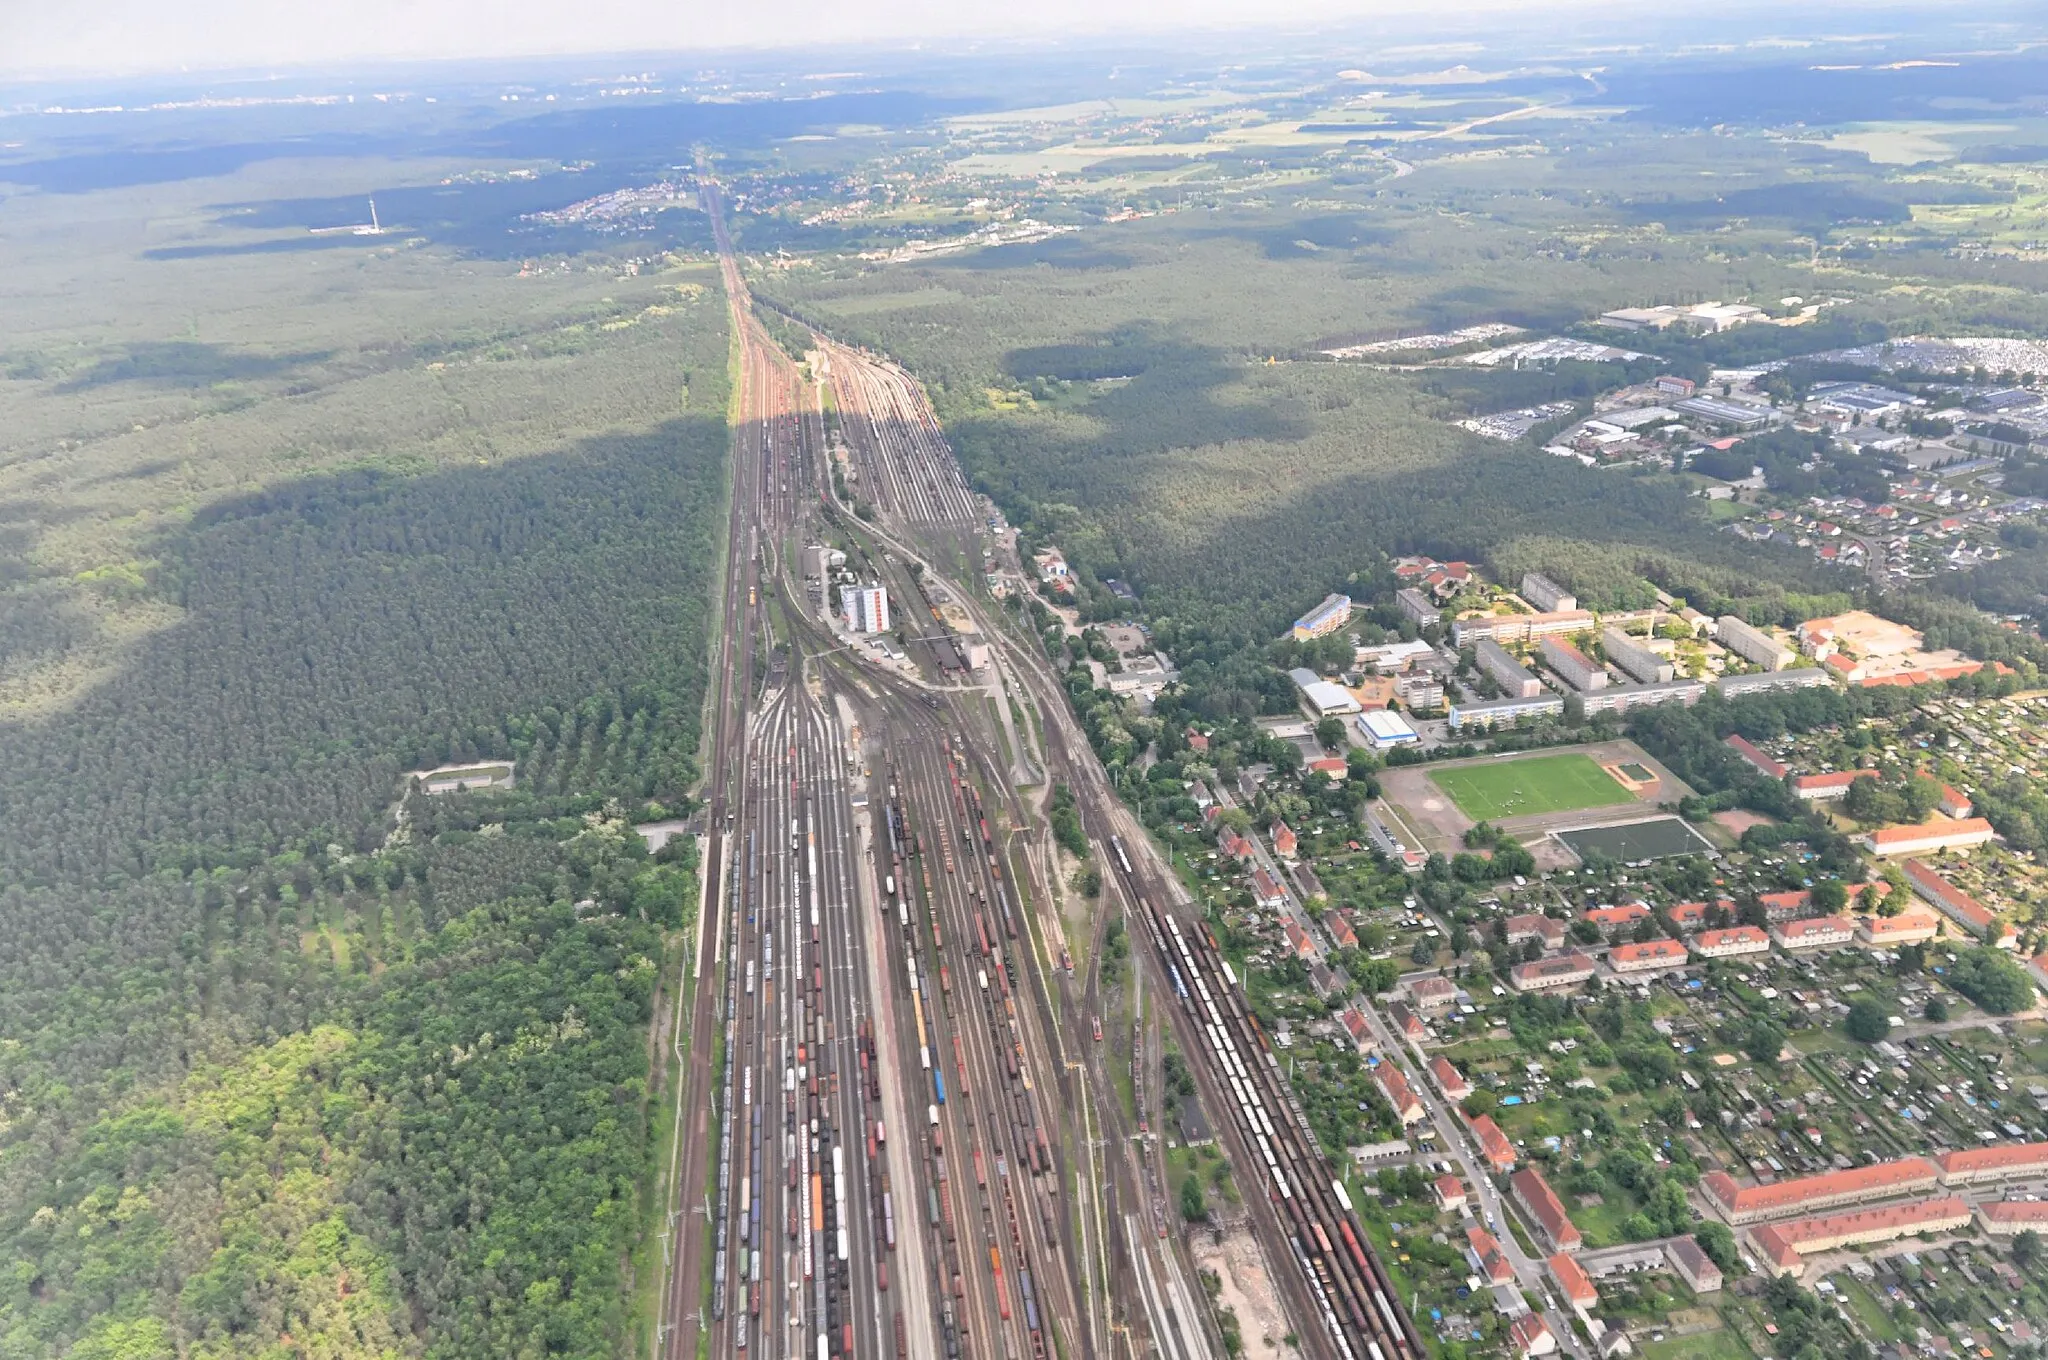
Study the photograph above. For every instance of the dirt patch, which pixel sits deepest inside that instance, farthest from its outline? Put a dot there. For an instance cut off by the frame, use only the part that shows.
(1739, 820)
(1247, 1288)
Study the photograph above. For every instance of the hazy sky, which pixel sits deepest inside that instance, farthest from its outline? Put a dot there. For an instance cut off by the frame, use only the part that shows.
(122, 36)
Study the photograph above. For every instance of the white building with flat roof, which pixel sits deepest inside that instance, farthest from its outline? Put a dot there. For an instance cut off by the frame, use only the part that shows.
(1515, 680)
(1384, 728)
(1326, 697)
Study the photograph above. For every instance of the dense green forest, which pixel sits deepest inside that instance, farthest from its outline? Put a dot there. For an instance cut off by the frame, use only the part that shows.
(291, 1058)
(1116, 397)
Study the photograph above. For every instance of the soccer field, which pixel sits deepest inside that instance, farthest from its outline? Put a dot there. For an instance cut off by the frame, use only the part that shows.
(1523, 788)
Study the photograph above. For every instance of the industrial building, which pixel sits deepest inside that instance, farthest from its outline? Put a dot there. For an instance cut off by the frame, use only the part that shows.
(1547, 594)
(866, 608)
(1384, 729)
(1325, 697)
(1579, 671)
(1326, 618)
(1635, 660)
(1515, 680)
(1752, 644)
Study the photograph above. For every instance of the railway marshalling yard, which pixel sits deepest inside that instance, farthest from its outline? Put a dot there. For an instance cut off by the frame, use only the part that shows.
(898, 1122)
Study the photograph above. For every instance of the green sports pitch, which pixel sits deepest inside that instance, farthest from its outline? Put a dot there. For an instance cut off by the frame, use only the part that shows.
(1525, 788)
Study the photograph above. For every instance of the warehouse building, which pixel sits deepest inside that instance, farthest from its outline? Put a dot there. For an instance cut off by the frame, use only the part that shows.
(1383, 728)
(1325, 698)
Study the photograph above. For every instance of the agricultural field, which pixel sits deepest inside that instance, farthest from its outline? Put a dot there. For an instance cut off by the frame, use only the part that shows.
(1529, 787)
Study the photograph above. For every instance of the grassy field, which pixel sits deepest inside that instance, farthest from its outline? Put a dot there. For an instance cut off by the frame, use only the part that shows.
(1522, 788)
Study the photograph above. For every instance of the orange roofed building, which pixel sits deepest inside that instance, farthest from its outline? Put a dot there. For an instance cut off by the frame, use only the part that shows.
(1646, 957)
(1546, 1208)
(1786, 1245)
(1500, 1153)
(1829, 1190)
(1943, 834)
(1986, 1165)
(1573, 1282)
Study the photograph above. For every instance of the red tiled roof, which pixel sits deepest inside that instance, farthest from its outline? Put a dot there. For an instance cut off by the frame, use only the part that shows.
(1500, 1153)
(1690, 913)
(1617, 916)
(1790, 1235)
(1749, 752)
(1875, 1181)
(1449, 1079)
(1568, 964)
(1948, 896)
(1492, 1259)
(1778, 903)
(1571, 1277)
(1650, 951)
(1795, 931)
(1448, 1188)
(1838, 779)
(1399, 1093)
(1529, 1331)
(1535, 923)
(1905, 923)
(1546, 1207)
(2014, 1211)
(1716, 939)
(1961, 826)
(2003, 1157)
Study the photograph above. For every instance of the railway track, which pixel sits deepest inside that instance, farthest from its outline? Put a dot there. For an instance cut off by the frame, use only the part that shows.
(1360, 1310)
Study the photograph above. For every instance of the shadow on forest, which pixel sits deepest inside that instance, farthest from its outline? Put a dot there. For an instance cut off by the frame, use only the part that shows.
(1169, 398)
(1057, 252)
(187, 363)
(349, 625)
(1303, 237)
